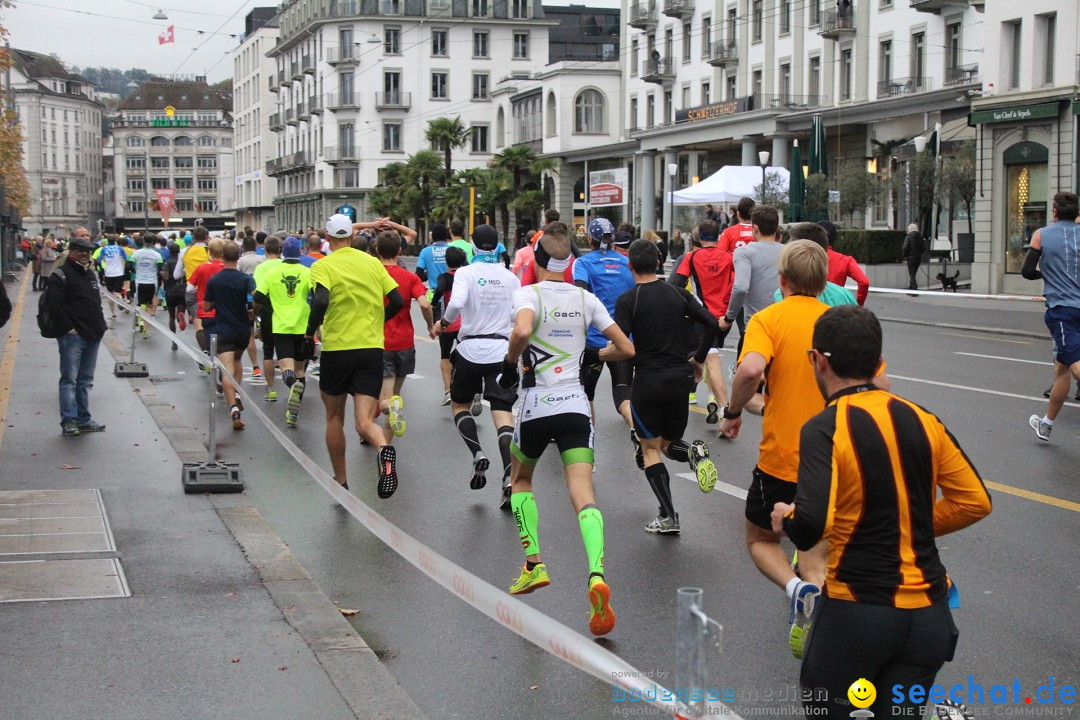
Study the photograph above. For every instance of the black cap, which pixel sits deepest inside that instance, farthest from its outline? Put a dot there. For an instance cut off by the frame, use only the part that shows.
(81, 242)
(623, 238)
(485, 237)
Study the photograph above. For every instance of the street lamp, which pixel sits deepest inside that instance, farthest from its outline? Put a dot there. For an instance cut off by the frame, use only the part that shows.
(672, 168)
(763, 159)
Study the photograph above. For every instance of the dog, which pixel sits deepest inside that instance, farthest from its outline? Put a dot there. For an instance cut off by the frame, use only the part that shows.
(948, 282)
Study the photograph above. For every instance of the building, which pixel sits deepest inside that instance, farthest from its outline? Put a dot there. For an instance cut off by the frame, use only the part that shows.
(173, 135)
(61, 120)
(1027, 134)
(254, 143)
(358, 80)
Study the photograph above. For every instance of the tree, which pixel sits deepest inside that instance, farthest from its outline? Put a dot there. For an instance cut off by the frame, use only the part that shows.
(774, 192)
(858, 188)
(817, 197)
(14, 187)
(916, 183)
(525, 169)
(957, 180)
(447, 134)
(424, 172)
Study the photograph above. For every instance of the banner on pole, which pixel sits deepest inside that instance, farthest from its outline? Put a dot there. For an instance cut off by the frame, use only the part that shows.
(608, 187)
(165, 203)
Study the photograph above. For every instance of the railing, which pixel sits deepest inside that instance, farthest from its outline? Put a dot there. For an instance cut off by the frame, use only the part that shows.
(834, 23)
(172, 124)
(386, 100)
(302, 113)
(792, 103)
(298, 159)
(337, 101)
(643, 16)
(903, 86)
(281, 77)
(314, 104)
(274, 87)
(345, 8)
(296, 73)
(724, 53)
(159, 171)
(340, 154)
(678, 8)
(307, 64)
(273, 166)
(206, 170)
(275, 122)
(290, 116)
(962, 75)
(344, 54)
(657, 68)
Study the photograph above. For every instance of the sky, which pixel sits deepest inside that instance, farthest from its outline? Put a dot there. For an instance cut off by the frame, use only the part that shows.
(123, 34)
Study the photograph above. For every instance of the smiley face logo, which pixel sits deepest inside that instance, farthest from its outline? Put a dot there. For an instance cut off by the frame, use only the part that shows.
(862, 693)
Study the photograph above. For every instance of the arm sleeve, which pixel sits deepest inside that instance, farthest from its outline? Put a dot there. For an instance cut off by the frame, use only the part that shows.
(741, 285)
(622, 313)
(805, 525)
(458, 297)
(964, 499)
(856, 273)
(1030, 270)
(394, 303)
(319, 303)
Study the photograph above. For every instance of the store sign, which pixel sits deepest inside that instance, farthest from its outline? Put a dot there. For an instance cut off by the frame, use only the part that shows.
(169, 122)
(1014, 114)
(714, 110)
(608, 187)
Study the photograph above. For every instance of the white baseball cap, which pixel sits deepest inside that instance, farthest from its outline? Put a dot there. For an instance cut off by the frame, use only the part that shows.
(339, 226)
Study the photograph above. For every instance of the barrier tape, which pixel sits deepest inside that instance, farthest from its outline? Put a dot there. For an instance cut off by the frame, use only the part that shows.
(940, 293)
(545, 632)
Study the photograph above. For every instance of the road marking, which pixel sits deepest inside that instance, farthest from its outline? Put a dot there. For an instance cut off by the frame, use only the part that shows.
(1037, 497)
(978, 390)
(414, 376)
(722, 486)
(7, 367)
(983, 337)
(999, 357)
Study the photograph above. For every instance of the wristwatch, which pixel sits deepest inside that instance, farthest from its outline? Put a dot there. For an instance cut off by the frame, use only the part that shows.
(728, 415)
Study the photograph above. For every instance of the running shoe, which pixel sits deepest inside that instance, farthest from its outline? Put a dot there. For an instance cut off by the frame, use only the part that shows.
(388, 480)
(795, 564)
(504, 503)
(91, 426)
(477, 406)
(802, 609)
(639, 454)
(480, 465)
(663, 525)
(731, 371)
(531, 579)
(271, 395)
(703, 467)
(256, 372)
(69, 428)
(292, 409)
(181, 321)
(313, 370)
(693, 398)
(446, 398)
(712, 398)
(237, 423)
(1042, 430)
(395, 418)
(713, 409)
(601, 616)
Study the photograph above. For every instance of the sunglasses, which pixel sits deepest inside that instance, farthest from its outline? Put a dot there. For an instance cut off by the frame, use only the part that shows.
(811, 351)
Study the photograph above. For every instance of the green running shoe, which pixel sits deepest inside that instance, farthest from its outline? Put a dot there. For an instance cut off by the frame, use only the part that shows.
(531, 579)
(601, 616)
(271, 396)
(703, 466)
(396, 420)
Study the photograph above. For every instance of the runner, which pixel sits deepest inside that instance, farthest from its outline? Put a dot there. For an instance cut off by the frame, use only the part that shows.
(842, 267)
(226, 295)
(455, 258)
(432, 261)
(249, 260)
(457, 239)
(833, 294)
(654, 312)
(265, 317)
(174, 291)
(196, 290)
(741, 233)
(550, 323)
(399, 350)
(111, 260)
(348, 305)
(283, 288)
(145, 263)
(482, 296)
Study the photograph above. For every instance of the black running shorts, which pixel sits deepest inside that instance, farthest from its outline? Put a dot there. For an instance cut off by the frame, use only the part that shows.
(114, 284)
(658, 403)
(233, 343)
(446, 344)
(145, 293)
(468, 379)
(287, 347)
(621, 371)
(572, 433)
(765, 491)
(351, 372)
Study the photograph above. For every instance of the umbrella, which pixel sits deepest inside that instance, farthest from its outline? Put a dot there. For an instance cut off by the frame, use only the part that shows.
(818, 161)
(796, 187)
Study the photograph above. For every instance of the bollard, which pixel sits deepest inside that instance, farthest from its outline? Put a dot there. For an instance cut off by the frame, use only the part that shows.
(132, 368)
(695, 634)
(212, 476)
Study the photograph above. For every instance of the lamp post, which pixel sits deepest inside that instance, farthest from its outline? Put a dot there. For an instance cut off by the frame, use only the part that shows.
(763, 160)
(672, 168)
(146, 189)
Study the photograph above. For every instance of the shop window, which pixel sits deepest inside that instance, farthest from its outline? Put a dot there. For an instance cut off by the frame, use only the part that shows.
(1027, 183)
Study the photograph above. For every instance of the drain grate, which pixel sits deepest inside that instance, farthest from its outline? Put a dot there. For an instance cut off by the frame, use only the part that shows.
(165, 379)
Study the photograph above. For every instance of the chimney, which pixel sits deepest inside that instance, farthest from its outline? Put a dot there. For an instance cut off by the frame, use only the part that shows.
(200, 78)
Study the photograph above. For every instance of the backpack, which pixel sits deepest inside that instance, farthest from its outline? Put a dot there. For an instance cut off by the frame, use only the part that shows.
(47, 323)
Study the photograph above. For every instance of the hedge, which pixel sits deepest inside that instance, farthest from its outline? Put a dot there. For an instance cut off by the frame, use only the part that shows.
(871, 247)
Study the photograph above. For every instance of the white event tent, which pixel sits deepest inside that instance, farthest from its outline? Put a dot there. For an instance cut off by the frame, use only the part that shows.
(728, 184)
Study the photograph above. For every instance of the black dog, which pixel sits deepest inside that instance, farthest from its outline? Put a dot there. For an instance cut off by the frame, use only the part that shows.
(948, 282)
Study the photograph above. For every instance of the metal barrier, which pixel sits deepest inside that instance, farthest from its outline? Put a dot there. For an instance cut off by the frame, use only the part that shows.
(131, 368)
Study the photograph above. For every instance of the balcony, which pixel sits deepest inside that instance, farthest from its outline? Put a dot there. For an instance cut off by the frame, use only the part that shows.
(345, 8)
(393, 101)
(307, 65)
(281, 77)
(658, 70)
(937, 6)
(296, 160)
(273, 166)
(679, 8)
(790, 103)
(296, 73)
(835, 25)
(159, 171)
(314, 105)
(643, 16)
(206, 170)
(341, 55)
(724, 54)
(290, 117)
(276, 123)
(302, 112)
(343, 101)
(962, 75)
(336, 155)
(902, 86)
(274, 87)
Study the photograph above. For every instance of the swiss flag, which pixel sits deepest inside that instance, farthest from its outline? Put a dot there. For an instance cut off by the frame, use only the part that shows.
(166, 37)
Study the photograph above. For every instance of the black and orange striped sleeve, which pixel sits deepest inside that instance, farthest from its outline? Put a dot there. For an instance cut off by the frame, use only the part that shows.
(805, 525)
(964, 498)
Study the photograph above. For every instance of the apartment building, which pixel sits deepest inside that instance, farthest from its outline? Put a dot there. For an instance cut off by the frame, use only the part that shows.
(173, 134)
(1027, 134)
(254, 144)
(61, 120)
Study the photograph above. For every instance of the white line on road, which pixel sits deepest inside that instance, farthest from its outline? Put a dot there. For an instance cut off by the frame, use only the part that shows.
(720, 485)
(983, 337)
(999, 357)
(414, 376)
(978, 390)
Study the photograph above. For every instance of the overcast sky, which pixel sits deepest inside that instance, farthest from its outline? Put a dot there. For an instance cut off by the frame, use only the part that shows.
(123, 33)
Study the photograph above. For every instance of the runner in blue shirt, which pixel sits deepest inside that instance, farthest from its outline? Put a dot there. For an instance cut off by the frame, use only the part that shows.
(491, 256)
(432, 261)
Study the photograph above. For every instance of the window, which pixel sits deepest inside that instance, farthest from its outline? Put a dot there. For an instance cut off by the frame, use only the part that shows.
(521, 45)
(633, 113)
(182, 141)
(345, 140)
(183, 162)
(552, 116)
(207, 183)
(668, 107)
(757, 20)
(479, 8)
(480, 86)
(345, 43)
(208, 205)
(183, 183)
(785, 17)
(1048, 30)
(845, 74)
(732, 82)
(391, 7)
(589, 112)
(136, 184)
(685, 97)
(479, 44)
(184, 205)
(755, 85)
(1014, 54)
(732, 24)
(706, 92)
(438, 43)
(785, 83)
(814, 85)
(650, 111)
(952, 50)
(438, 85)
(438, 5)
(206, 141)
(135, 206)
(669, 44)
(159, 163)
(633, 56)
(392, 40)
(392, 87)
(203, 117)
(135, 141)
(206, 161)
(345, 85)
(686, 43)
(391, 137)
(479, 138)
(918, 54)
(885, 63)
(347, 177)
(706, 36)
(519, 9)
(161, 183)
(135, 162)
(156, 141)
(815, 12)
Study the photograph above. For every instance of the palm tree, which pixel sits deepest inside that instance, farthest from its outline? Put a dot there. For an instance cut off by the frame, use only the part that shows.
(519, 161)
(447, 134)
(423, 171)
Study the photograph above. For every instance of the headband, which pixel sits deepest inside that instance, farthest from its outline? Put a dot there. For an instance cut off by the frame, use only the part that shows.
(544, 260)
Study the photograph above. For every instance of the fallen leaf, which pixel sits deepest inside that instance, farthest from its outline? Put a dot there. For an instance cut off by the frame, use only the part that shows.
(236, 660)
(65, 466)
(534, 687)
(283, 667)
(347, 612)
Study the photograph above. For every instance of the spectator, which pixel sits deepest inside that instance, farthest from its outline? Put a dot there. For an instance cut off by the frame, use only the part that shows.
(912, 251)
(711, 214)
(678, 245)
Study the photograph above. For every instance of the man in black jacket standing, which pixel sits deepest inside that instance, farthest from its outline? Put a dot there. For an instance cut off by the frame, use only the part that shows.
(913, 250)
(75, 302)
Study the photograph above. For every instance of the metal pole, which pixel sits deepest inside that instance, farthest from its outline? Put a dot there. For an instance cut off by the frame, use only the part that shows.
(588, 188)
(212, 445)
(694, 632)
(146, 189)
(134, 330)
(472, 208)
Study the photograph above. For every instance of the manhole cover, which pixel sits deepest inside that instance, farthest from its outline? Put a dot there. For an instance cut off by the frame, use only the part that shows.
(165, 379)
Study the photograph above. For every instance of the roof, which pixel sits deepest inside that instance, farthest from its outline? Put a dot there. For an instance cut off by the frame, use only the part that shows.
(36, 65)
(183, 95)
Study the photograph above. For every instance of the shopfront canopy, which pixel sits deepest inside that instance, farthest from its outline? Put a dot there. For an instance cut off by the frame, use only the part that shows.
(727, 185)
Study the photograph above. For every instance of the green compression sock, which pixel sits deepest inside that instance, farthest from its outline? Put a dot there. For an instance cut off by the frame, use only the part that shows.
(527, 518)
(592, 534)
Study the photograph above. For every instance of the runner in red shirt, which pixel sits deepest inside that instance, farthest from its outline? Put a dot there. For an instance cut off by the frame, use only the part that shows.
(399, 347)
(204, 319)
(741, 233)
(842, 267)
(711, 272)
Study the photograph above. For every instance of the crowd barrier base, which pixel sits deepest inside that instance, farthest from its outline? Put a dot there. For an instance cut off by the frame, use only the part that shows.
(132, 369)
(212, 476)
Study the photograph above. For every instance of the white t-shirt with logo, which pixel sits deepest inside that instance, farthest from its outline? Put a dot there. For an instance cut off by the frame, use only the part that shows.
(564, 314)
(482, 296)
(147, 262)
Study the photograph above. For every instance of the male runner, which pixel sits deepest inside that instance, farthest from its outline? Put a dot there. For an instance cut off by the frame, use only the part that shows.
(146, 263)
(655, 313)
(871, 466)
(196, 289)
(455, 258)
(175, 291)
(112, 260)
(551, 319)
(457, 239)
(283, 288)
(482, 296)
(226, 295)
(399, 353)
(349, 291)
(271, 246)
(432, 261)
(833, 294)
(741, 233)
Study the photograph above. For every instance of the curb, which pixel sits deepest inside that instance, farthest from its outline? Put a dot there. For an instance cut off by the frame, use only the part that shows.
(363, 682)
(969, 328)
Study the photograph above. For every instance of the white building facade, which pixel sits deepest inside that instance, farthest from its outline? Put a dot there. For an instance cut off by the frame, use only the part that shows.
(61, 122)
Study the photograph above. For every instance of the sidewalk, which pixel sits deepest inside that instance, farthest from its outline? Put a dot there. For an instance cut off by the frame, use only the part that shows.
(221, 620)
(953, 310)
